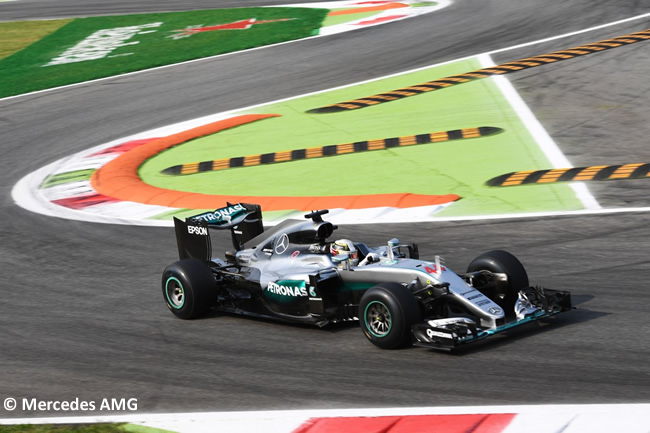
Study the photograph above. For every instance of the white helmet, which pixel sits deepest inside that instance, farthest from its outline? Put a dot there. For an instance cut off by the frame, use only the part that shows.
(345, 246)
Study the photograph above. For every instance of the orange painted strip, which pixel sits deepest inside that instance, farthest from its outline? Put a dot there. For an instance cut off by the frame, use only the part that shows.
(407, 141)
(119, 179)
(380, 20)
(251, 160)
(439, 136)
(367, 101)
(471, 133)
(368, 9)
(344, 148)
(552, 175)
(314, 152)
(624, 171)
(283, 156)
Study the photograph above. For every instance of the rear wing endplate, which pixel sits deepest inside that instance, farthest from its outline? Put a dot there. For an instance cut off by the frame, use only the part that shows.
(193, 240)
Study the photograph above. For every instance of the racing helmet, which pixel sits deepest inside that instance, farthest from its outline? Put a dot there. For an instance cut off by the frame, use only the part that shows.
(345, 246)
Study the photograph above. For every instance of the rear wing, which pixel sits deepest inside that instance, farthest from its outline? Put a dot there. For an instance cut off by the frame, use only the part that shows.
(193, 237)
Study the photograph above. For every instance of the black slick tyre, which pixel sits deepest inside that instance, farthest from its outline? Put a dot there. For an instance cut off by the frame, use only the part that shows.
(188, 288)
(386, 313)
(504, 293)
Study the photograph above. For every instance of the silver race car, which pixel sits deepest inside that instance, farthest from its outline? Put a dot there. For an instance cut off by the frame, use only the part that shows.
(294, 272)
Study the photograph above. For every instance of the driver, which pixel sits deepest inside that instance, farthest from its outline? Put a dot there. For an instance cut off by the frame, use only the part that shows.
(345, 246)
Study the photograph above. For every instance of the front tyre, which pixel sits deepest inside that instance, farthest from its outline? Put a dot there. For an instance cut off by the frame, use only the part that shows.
(188, 288)
(504, 291)
(386, 313)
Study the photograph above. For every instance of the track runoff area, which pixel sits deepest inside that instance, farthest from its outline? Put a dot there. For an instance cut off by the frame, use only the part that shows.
(409, 120)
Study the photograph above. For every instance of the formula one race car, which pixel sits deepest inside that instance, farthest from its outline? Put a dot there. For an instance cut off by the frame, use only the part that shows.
(292, 272)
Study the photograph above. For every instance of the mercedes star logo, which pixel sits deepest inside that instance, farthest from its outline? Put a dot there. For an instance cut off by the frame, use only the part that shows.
(282, 244)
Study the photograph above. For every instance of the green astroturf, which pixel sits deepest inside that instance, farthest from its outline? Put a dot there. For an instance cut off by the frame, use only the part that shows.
(26, 70)
(72, 176)
(455, 167)
(16, 35)
(341, 19)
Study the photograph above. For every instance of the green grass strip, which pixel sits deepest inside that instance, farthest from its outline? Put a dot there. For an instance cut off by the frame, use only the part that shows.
(16, 35)
(341, 19)
(133, 428)
(423, 4)
(459, 167)
(63, 178)
(120, 49)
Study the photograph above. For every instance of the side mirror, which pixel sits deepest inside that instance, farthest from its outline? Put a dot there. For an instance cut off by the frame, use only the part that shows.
(390, 252)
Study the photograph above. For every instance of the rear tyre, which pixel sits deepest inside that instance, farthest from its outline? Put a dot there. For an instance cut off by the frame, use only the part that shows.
(188, 288)
(386, 313)
(504, 293)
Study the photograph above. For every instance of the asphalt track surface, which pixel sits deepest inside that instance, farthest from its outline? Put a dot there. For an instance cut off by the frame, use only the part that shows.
(81, 313)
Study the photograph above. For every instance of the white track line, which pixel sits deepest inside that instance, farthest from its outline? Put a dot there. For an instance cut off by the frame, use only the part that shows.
(620, 410)
(538, 132)
(577, 32)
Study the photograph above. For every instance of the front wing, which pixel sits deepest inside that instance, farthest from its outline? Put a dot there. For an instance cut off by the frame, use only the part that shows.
(447, 336)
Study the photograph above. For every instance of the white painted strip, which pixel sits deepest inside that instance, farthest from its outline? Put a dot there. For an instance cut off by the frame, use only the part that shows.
(538, 132)
(384, 214)
(340, 217)
(94, 162)
(580, 419)
(27, 195)
(550, 415)
(574, 33)
(338, 4)
(534, 423)
(607, 422)
(67, 190)
(135, 211)
(582, 212)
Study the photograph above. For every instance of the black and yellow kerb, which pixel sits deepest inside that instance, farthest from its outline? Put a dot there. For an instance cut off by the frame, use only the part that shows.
(576, 174)
(332, 150)
(505, 68)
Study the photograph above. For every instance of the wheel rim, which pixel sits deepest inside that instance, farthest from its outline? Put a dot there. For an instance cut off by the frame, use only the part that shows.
(378, 319)
(175, 293)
